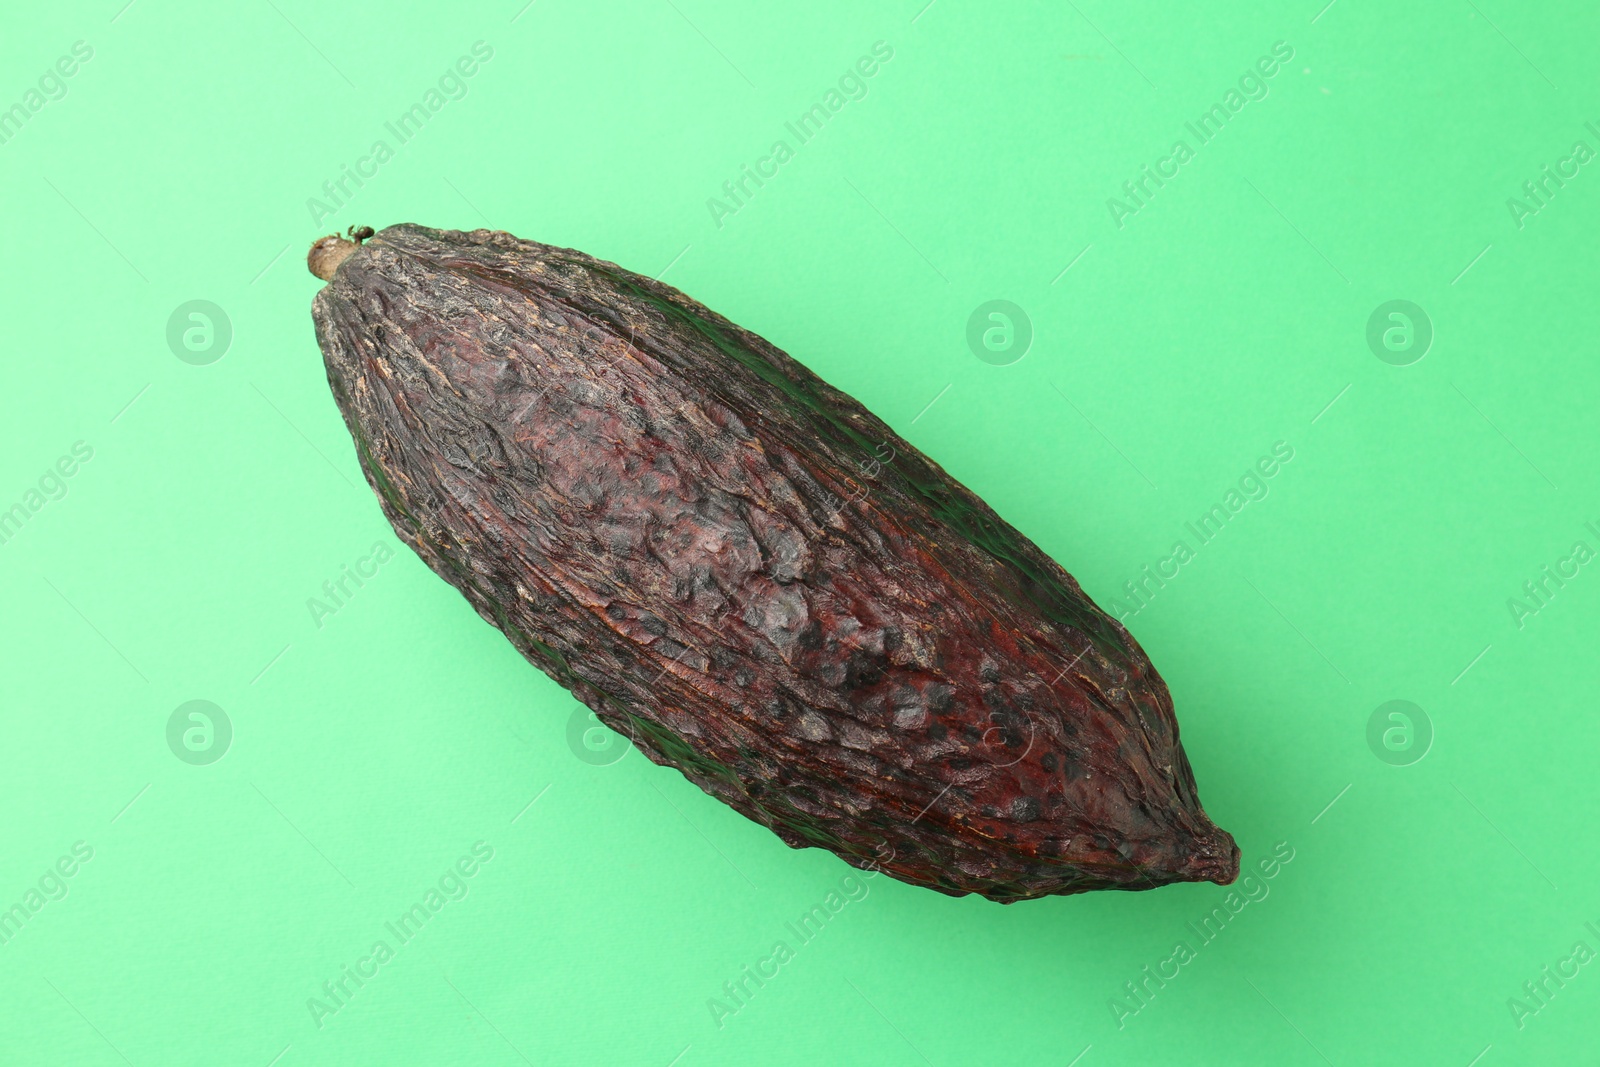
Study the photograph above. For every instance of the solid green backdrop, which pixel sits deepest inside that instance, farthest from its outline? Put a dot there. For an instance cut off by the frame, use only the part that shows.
(1108, 264)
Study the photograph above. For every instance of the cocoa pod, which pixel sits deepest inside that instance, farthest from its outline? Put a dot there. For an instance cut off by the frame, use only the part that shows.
(745, 571)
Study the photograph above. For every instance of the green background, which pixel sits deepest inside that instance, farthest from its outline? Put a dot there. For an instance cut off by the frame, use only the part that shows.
(370, 752)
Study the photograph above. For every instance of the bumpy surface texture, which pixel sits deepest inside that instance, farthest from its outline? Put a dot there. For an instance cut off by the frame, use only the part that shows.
(743, 570)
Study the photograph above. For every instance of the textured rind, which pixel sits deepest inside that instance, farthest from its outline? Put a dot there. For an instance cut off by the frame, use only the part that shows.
(754, 578)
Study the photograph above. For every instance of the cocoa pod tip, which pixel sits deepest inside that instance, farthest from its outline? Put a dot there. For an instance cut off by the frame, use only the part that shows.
(328, 252)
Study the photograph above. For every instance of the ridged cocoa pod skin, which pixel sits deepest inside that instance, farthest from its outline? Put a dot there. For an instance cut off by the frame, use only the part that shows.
(758, 581)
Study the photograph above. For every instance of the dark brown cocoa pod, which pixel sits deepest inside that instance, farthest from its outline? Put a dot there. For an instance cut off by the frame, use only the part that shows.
(745, 571)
